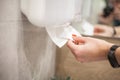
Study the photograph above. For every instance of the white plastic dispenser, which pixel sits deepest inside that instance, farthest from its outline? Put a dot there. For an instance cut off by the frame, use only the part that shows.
(46, 13)
(54, 15)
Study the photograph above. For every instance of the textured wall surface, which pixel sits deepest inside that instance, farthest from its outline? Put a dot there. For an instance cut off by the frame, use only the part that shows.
(21, 41)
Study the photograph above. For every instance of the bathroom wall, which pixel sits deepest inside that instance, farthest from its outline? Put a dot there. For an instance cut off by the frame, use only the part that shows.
(26, 51)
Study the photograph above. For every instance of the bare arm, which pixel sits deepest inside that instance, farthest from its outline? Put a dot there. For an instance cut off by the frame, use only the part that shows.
(87, 49)
(117, 31)
(117, 53)
(104, 30)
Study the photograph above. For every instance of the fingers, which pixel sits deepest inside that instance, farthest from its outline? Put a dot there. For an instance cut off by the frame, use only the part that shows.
(78, 40)
(98, 30)
(71, 45)
(75, 50)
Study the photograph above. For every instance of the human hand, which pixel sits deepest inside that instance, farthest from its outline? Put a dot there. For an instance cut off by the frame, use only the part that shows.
(87, 49)
(103, 30)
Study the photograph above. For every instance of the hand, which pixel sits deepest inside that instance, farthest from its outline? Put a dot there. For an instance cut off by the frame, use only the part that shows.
(103, 30)
(87, 49)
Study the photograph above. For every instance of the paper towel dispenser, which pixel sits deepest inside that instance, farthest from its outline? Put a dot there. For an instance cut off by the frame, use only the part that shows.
(48, 13)
(57, 16)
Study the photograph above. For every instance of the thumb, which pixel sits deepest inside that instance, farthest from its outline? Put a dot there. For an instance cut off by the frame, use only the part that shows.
(78, 40)
(71, 45)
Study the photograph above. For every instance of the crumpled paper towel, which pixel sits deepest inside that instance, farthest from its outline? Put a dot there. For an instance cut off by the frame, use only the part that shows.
(83, 26)
(88, 28)
(61, 34)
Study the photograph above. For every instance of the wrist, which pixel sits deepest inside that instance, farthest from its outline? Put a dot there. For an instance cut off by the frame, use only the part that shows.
(104, 50)
(117, 55)
(108, 46)
(117, 31)
(114, 31)
(112, 57)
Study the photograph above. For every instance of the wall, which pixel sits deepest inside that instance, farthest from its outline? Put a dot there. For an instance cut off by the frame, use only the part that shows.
(23, 46)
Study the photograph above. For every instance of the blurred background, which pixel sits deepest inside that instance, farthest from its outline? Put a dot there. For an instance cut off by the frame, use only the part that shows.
(103, 14)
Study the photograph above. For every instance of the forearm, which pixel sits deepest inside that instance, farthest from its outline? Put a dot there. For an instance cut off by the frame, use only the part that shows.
(117, 30)
(117, 54)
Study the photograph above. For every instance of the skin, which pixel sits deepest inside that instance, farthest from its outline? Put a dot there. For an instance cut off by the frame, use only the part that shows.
(104, 30)
(87, 49)
(118, 31)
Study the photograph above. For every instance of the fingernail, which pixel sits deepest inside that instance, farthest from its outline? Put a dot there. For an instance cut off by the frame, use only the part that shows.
(74, 35)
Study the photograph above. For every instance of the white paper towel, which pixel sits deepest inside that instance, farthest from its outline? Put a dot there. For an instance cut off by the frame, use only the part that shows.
(61, 34)
(83, 26)
(88, 29)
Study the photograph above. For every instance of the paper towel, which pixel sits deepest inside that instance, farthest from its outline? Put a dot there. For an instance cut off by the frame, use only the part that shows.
(87, 28)
(83, 26)
(61, 34)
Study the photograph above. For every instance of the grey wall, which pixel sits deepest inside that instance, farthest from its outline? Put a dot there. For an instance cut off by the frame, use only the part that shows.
(20, 40)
